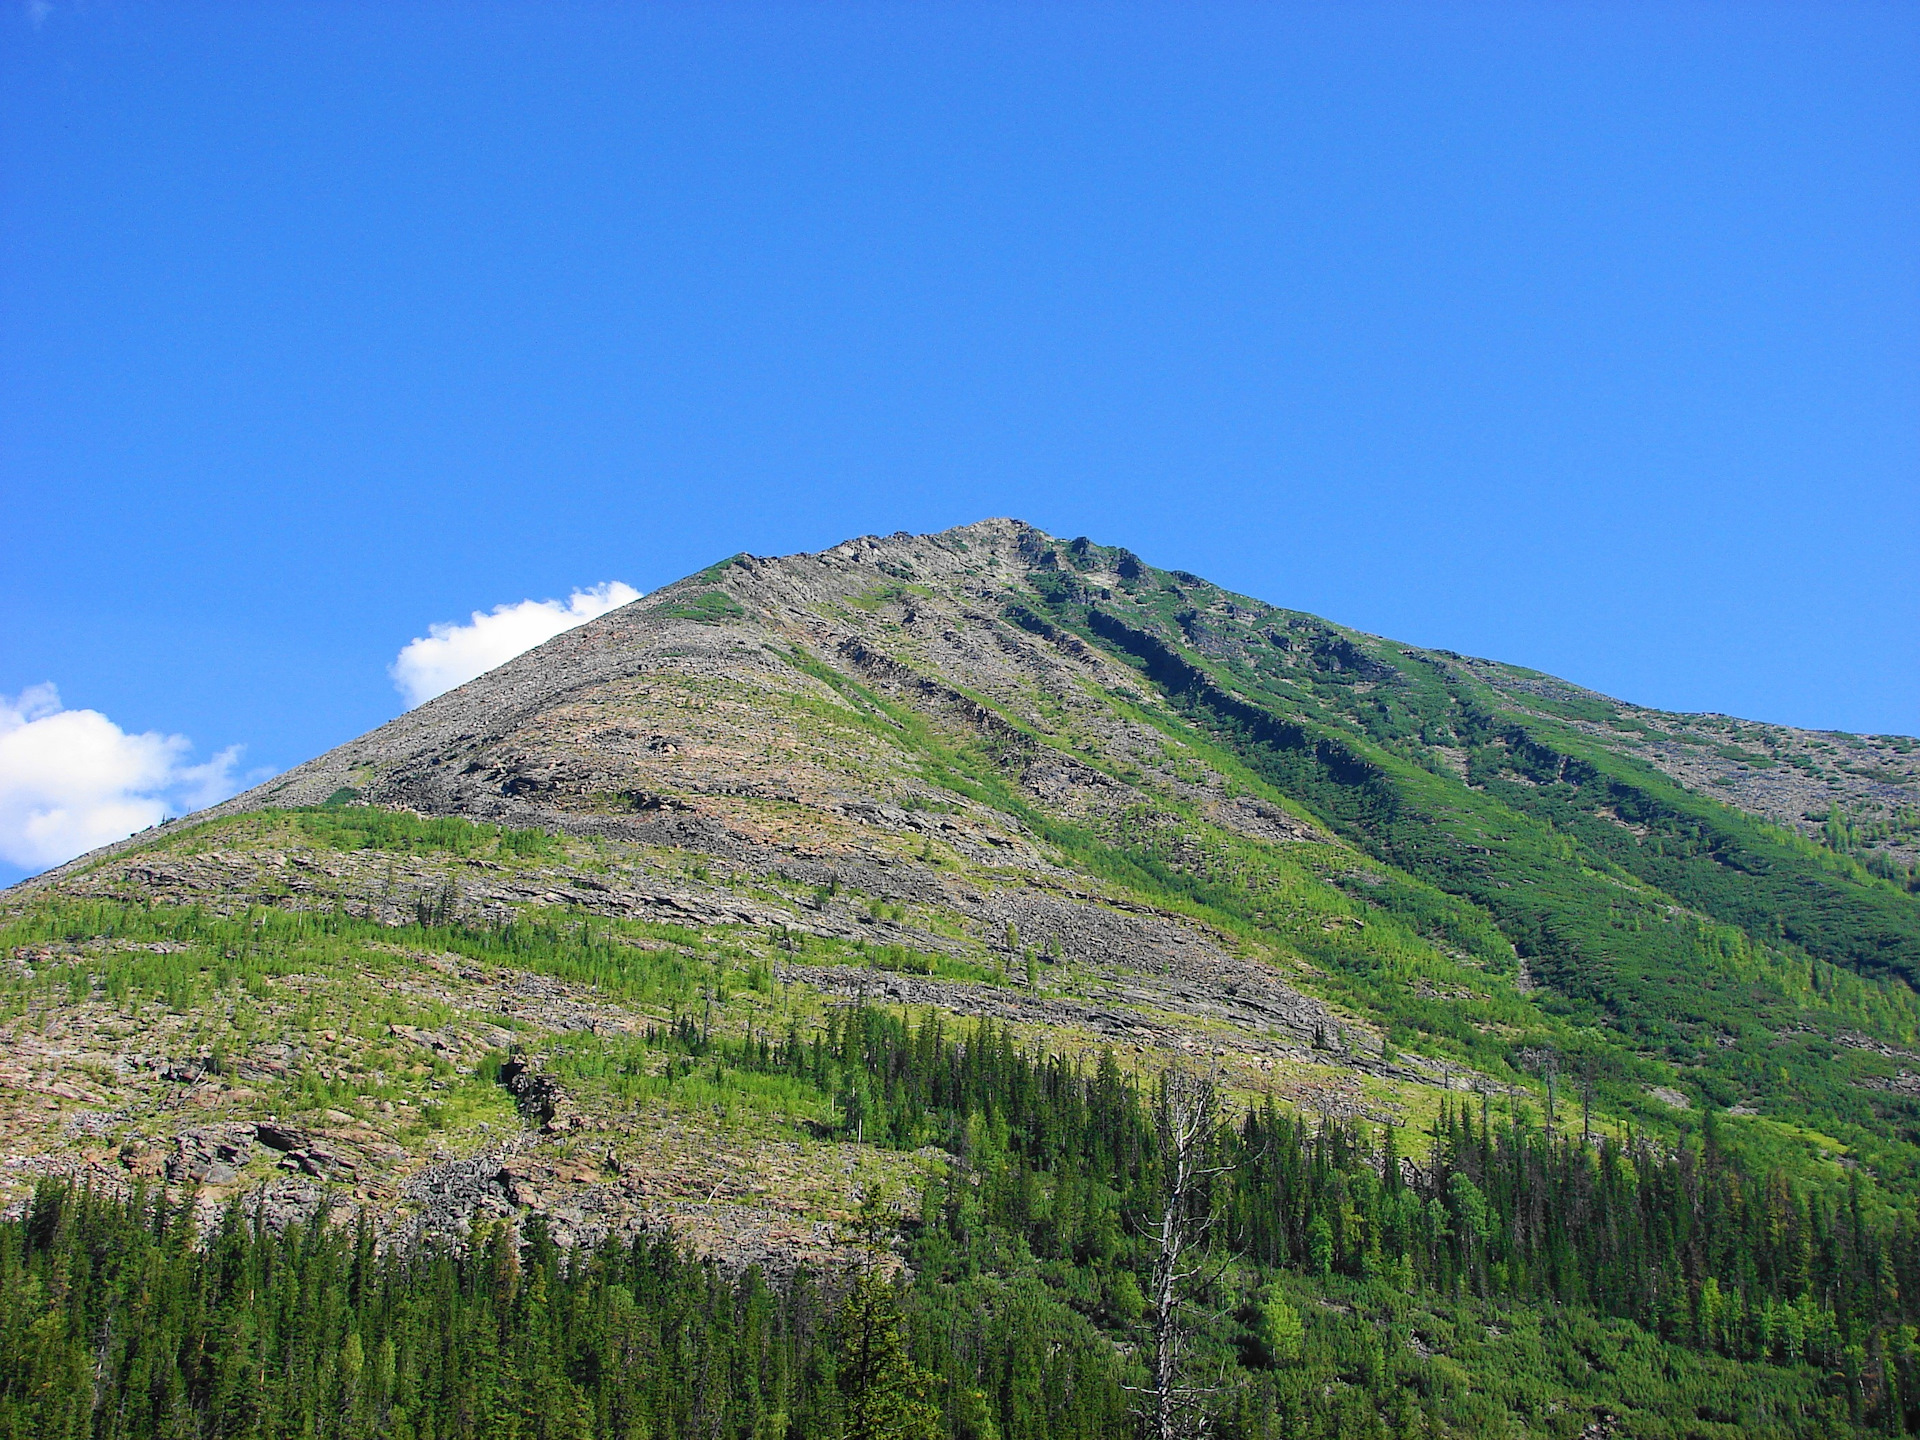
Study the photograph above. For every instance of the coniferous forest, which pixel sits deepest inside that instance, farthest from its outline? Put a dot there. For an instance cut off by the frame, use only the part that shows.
(1571, 1280)
(981, 985)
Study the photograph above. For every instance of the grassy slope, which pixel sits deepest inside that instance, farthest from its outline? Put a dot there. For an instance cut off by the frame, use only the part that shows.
(1667, 927)
(1494, 1362)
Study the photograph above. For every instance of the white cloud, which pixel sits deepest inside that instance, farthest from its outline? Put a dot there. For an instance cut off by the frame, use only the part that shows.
(72, 779)
(451, 654)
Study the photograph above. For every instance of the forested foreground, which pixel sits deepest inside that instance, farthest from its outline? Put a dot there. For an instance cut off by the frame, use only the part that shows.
(1489, 1280)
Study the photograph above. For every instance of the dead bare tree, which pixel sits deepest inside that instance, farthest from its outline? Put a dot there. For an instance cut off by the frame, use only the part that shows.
(1186, 1119)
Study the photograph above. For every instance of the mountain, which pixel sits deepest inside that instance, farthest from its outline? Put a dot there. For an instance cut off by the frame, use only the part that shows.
(584, 945)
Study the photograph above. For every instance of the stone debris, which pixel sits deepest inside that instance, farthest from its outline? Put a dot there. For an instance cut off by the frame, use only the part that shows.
(744, 780)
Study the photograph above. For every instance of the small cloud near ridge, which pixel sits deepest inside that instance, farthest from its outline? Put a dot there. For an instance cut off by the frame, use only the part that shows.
(450, 655)
(72, 779)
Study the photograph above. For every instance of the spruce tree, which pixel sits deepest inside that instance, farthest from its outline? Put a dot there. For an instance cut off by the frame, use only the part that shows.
(884, 1391)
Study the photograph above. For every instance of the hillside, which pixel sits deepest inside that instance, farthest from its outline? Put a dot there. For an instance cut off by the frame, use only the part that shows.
(589, 939)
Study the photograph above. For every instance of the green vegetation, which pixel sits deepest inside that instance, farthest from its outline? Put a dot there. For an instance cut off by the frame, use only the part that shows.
(1672, 932)
(200, 954)
(401, 832)
(1682, 1202)
(709, 607)
(1354, 1294)
(1857, 833)
(1424, 938)
(881, 594)
(119, 1327)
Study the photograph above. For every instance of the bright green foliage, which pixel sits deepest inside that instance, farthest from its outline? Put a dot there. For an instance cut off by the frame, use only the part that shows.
(1668, 930)
(1694, 1249)
(883, 1392)
(1370, 1298)
(400, 832)
(125, 1329)
(1278, 1328)
(709, 607)
(216, 951)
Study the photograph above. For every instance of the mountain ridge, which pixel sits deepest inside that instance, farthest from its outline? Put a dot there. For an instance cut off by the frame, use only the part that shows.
(670, 927)
(1076, 670)
(1855, 782)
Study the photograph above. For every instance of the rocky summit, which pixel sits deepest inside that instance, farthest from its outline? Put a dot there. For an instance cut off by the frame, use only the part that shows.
(585, 942)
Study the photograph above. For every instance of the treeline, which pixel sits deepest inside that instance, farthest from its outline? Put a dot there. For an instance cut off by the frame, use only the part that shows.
(1689, 1244)
(116, 1325)
(1685, 1243)
(1530, 838)
(1855, 835)
(1489, 1276)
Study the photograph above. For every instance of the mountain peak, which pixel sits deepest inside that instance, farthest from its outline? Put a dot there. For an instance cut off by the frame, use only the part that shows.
(494, 958)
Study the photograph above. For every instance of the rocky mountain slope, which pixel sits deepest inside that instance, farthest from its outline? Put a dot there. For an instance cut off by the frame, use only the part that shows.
(985, 773)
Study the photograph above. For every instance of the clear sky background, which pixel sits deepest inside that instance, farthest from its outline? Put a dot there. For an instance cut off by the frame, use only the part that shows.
(1581, 336)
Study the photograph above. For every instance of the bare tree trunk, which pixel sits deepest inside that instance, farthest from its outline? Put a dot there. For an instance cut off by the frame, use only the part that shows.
(1186, 1117)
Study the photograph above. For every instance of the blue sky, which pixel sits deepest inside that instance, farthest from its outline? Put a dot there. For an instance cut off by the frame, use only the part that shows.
(1581, 336)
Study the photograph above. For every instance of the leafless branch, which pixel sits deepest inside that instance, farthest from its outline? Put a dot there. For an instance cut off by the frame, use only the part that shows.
(1187, 1119)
